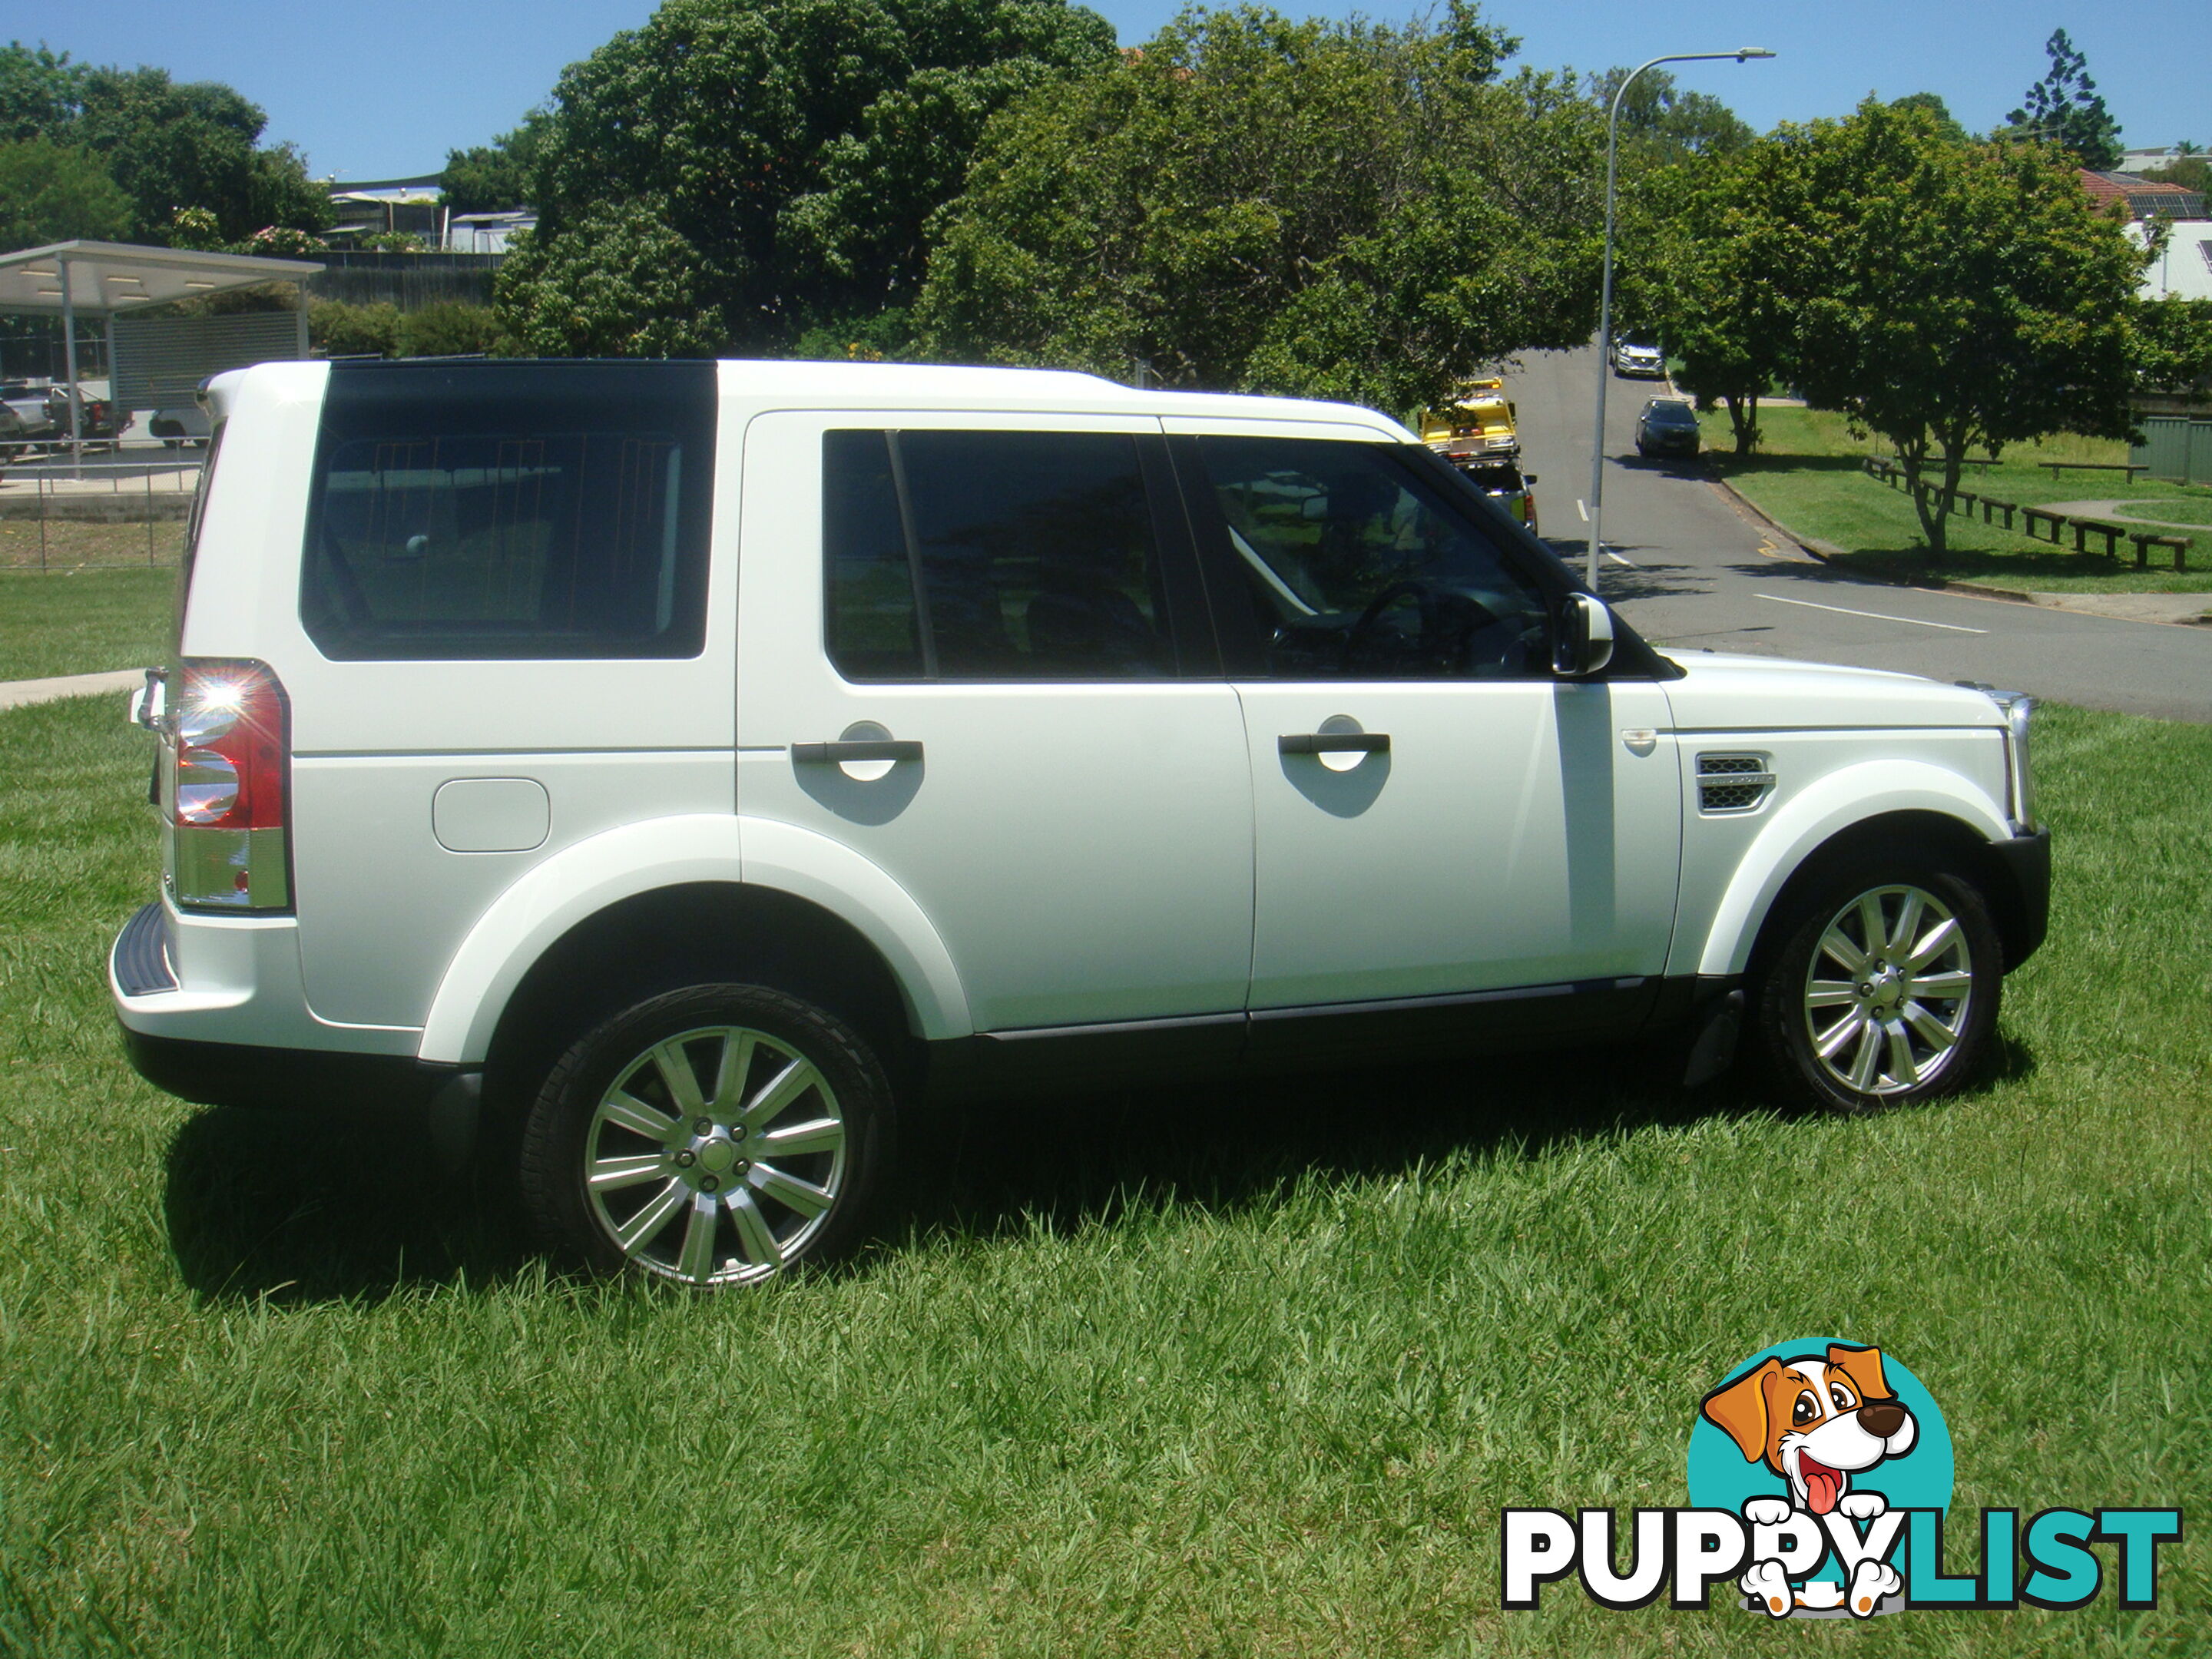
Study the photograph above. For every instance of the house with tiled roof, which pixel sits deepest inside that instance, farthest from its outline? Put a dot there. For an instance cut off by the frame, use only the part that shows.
(2144, 198)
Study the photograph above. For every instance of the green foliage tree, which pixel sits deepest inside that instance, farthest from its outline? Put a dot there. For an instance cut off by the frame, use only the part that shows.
(1660, 123)
(1946, 125)
(782, 157)
(54, 192)
(1967, 296)
(1722, 266)
(2190, 172)
(1346, 210)
(38, 92)
(2064, 108)
(170, 145)
(498, 176)
(619, 282)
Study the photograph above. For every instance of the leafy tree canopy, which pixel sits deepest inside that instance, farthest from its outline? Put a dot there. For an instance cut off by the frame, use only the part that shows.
(1946, 125)
(2064, 108)
(496, 177)
(1666, 124)
(784, 155)
(55, 193)
(1344, 209)
(168, 145)
(1968, 296)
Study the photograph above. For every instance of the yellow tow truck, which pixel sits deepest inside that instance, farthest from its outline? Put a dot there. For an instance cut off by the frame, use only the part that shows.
(1476, 426)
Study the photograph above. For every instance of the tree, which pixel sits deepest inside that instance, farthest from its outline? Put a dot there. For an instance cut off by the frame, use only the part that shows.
(2064, 108)
(1346, 210)
(169, 146)
(1946, 125)
(53, 193)
(785, 155)
(1661, 122)
(38, 92)
(1968, 298)
(619, 281)
(498, 176)
(1722, 268)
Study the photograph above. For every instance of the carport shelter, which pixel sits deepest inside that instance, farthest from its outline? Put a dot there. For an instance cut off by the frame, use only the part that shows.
(163, 360)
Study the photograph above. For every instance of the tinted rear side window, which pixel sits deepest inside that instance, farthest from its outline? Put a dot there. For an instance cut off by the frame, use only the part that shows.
(511, 510)
(991, 555)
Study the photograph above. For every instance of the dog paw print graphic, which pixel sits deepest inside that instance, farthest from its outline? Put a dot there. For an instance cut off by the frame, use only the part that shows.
(1821, 1445)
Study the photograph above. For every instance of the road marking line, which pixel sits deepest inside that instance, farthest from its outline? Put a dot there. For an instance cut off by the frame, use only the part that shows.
(1582, 509)
(1879, 615)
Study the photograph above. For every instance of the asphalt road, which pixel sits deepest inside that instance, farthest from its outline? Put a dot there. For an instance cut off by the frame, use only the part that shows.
(1691, 568)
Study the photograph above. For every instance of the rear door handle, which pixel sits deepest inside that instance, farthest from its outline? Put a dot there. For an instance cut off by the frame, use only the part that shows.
(859, 749)
(1333, 743)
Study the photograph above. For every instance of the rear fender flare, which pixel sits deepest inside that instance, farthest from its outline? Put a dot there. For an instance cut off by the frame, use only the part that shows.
(539, 910)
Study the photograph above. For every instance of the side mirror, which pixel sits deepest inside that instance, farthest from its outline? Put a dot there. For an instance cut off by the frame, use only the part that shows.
(1583, 643)
(1530, 478)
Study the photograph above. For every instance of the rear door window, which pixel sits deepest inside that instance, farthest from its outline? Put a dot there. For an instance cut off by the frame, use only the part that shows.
(501, 511)
(992, 556)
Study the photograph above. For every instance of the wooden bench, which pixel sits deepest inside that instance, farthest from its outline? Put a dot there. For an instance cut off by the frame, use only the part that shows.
(1991, 505)
(2144, 542)
(2085, 528)
(2128, 467)
(2030, 516)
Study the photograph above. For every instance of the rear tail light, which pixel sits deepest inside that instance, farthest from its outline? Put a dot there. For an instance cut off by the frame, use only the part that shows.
(228, 793)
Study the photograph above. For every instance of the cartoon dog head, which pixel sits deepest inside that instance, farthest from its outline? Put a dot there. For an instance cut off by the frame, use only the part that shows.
(1816, 1420)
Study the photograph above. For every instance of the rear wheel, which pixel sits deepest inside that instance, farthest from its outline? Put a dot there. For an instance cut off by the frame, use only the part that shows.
(1884, 989)
(720, 1135)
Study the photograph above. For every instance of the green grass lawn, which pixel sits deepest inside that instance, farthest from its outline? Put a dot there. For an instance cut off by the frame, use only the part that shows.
(1222, 1372)
(83, 621)
(1806, 476)
(68, 544)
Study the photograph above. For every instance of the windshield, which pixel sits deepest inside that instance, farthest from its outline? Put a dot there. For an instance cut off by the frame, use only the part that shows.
(1670, 415)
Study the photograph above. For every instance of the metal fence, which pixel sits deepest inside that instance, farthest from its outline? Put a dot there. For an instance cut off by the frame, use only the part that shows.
(2177, 448)
(126, 505)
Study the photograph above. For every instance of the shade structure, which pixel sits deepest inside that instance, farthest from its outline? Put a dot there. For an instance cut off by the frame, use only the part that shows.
(108, 279)
(101, 279)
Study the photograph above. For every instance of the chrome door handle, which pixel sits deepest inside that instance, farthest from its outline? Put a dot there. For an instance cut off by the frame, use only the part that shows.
(1333, 743)
(858, 749)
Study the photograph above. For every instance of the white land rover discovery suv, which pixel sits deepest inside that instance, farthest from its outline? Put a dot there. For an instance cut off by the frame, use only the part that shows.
(701, 762)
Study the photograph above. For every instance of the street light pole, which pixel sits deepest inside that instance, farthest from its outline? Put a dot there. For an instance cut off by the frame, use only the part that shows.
(1605, 298)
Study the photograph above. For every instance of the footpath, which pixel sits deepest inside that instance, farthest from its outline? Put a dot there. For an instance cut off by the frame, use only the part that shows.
(16, 694)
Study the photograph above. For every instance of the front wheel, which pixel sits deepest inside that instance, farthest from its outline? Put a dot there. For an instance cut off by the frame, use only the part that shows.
(1884, 989)
(716, 1135)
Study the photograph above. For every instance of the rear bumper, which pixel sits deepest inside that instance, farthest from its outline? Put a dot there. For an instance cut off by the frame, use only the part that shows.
(291, 1079)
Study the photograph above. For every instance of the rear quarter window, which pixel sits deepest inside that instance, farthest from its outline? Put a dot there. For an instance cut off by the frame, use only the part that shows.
(510, 510)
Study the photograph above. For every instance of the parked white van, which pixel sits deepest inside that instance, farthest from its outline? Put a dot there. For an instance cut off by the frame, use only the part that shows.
(701, 762)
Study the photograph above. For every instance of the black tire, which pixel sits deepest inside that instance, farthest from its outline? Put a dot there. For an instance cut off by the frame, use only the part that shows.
(1913, 1019)
(763, 1068)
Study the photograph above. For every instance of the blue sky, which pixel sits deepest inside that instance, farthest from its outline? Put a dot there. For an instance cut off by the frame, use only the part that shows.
(384, 90)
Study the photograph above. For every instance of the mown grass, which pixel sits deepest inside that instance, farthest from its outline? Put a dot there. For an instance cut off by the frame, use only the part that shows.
(83, 621)
(1806, 475)
(61, 544)
(1243, 1371)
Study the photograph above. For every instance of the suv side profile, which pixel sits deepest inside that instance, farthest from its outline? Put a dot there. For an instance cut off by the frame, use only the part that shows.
(702, 763)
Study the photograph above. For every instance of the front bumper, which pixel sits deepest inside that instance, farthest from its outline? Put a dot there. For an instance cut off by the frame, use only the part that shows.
(2025, 860)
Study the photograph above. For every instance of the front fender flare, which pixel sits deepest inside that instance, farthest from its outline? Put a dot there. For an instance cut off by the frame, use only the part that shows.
(580, 881)
(1815, 816)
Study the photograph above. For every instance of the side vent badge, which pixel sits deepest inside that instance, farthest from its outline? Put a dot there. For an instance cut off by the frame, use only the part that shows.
(1731, 784)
